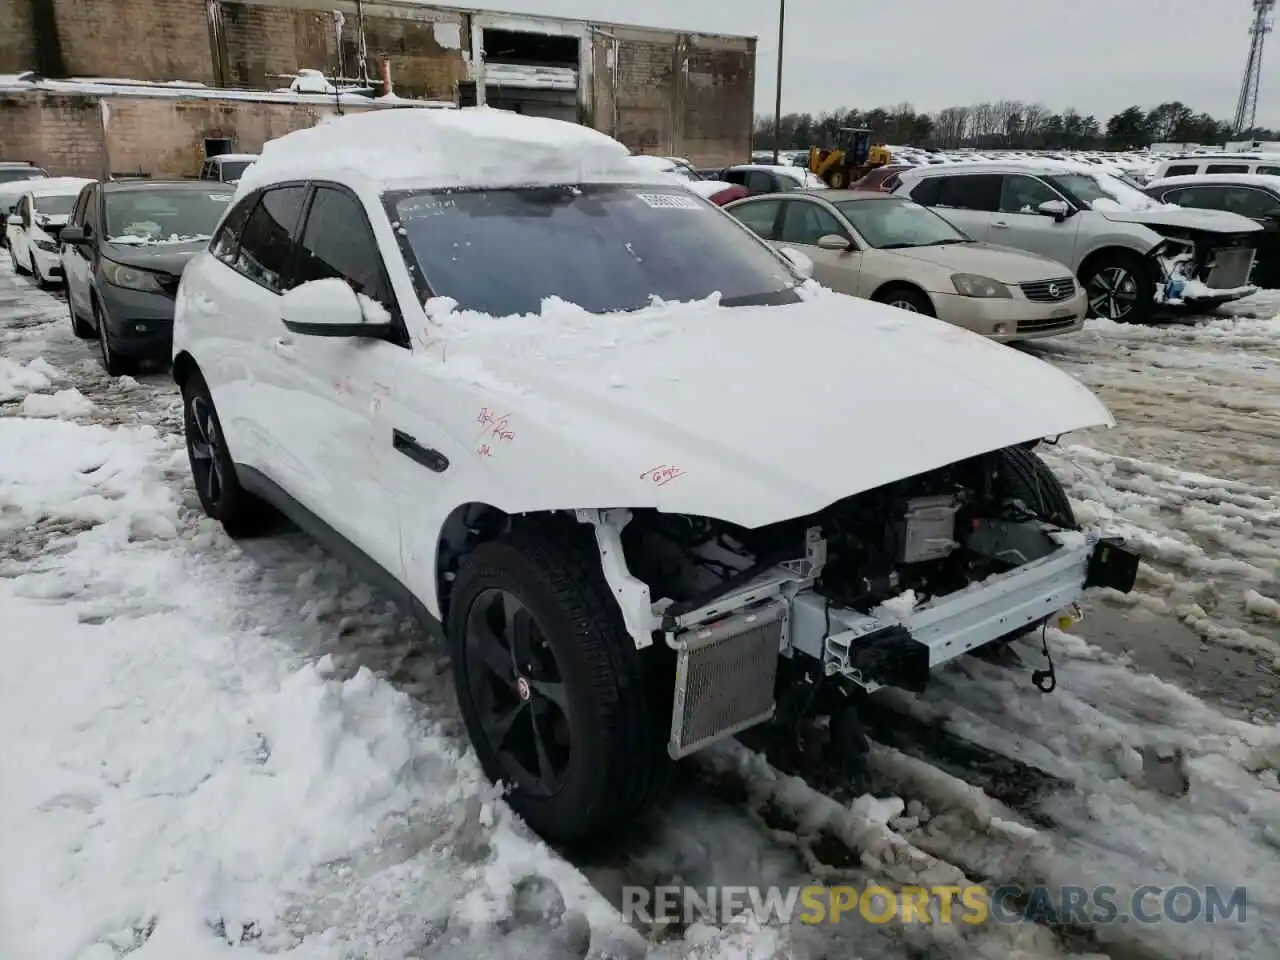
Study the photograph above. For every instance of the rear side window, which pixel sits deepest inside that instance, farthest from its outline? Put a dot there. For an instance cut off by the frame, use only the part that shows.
(1227, 168)
(227, 241)
(1268, 171)
(268, 236)
(338, 242)
(1182, 170)
(974, 192)
(927, 191)
(758, 216)
(760, 182)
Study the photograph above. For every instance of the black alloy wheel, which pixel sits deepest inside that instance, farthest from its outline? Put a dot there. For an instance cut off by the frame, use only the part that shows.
(518, 691)
(204, 446)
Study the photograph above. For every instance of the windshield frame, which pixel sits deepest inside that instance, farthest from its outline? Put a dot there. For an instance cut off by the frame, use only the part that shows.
(960, 235)
(1056, 178)
(418, 272)
(207, 189)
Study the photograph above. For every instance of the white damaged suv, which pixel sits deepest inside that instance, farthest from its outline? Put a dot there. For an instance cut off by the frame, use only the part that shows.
(657, 487)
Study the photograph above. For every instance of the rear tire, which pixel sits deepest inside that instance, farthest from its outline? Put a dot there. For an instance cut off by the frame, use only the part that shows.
(836, 179)
(221, 496)
(112, 362)
(81, 328)
(609, 758)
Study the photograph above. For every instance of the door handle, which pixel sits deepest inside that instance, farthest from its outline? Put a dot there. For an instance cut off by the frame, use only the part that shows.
(1001, 224)
(433, 460)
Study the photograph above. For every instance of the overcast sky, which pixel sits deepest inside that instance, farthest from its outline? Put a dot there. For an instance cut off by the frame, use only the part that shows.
(1096, 55)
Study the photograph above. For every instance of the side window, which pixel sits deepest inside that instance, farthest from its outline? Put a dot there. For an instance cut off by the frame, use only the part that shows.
(891, 182)
(268, 236)
(77, 212)
(1268, 171)
(1023, 194)
(805, 222)
(735, 176)
(1227, 168)
(227, 242)
(927, 191)
(1181, 170)
(338, 242)
(979, 191)
(91, 219)
(1200, 198)
(1248, 202)
(759, 216)
(758, 181)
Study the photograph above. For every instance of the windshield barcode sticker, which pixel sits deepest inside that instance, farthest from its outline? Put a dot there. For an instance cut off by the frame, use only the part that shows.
(669, 201)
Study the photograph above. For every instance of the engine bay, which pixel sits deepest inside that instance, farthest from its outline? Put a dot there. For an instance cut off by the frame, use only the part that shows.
(933, 534)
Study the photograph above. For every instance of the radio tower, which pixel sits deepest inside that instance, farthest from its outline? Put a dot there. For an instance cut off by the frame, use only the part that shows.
(1247, 105)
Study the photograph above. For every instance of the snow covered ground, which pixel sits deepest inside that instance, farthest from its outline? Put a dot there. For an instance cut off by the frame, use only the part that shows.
(220, 750)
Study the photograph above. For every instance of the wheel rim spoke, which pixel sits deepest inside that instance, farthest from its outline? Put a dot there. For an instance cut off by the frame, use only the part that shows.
(518, 693)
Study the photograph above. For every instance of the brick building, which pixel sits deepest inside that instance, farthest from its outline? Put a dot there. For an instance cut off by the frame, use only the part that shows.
(658, 91)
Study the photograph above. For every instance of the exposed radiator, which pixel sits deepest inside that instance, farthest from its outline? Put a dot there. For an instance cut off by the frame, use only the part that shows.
(1230, 268)
(725, 676)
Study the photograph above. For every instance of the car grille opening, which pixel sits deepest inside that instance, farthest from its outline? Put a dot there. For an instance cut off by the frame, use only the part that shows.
(1049, 291)
(1042, 326)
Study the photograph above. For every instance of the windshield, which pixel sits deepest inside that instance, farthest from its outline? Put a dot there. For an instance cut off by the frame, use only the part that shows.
(891, 223)
(234, 169)
(602, 247)
(58, 206)
(164, 216)
(14, 174)
(1101, 192)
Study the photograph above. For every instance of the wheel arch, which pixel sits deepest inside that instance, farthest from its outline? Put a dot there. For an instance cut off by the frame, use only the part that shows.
(184, 364)
(466, 527)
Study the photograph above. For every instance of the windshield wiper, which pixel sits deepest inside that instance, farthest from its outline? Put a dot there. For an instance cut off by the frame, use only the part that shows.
(943, 243)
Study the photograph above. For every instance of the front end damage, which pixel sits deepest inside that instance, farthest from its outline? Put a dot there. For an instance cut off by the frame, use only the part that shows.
(1201, 269)
(874, 592)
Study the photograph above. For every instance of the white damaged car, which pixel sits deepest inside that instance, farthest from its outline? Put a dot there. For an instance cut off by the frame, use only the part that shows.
(657, 487)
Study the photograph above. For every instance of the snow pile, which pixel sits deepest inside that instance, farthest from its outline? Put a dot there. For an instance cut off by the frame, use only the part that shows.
(476, 146)
(191, 781)
(18, 379)
(64, 403)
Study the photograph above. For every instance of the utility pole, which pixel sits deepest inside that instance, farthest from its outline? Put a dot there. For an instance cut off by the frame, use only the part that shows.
(777, 102)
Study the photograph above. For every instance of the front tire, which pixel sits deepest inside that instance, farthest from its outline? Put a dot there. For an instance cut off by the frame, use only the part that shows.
(79, 326)
(112, 362)
(906, 298)
(552, 690)
(1024, 476)
(1119, 287)
(221, 496)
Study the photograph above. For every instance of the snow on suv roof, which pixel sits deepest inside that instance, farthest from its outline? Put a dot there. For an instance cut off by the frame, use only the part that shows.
(432, 149)
(1268, 180)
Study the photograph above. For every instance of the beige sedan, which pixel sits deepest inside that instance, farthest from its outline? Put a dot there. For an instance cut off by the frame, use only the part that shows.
(887, 248)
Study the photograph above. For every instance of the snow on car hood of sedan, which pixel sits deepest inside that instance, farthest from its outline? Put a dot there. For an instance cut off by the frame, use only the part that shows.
(751, 415)
(1000, 263)
(1217, 221)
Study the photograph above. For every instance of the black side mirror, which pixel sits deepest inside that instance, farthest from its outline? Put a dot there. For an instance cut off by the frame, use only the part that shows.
(73, 235)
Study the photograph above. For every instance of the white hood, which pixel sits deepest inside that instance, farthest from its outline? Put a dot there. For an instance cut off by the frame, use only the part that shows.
(1218, 221)
(767, 413)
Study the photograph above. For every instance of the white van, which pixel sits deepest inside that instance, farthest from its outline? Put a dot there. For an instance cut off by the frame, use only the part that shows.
(1265, 163)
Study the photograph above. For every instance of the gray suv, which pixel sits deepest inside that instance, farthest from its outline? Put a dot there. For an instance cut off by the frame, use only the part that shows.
(1129, 252)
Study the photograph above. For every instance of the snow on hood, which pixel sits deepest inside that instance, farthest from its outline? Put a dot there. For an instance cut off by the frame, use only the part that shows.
(758, 414)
